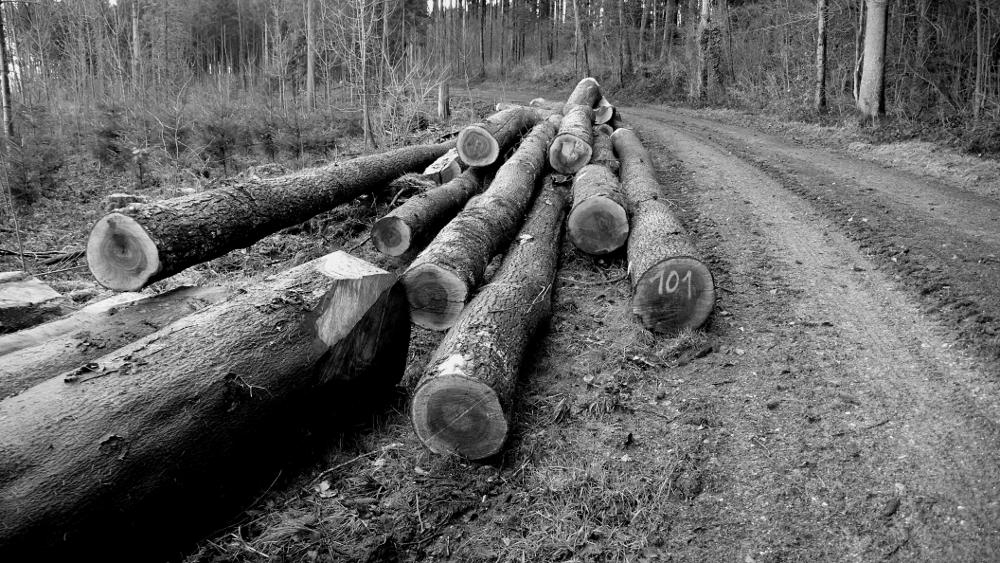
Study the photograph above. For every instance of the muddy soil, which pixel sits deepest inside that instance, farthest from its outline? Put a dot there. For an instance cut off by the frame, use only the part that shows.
(841, 405)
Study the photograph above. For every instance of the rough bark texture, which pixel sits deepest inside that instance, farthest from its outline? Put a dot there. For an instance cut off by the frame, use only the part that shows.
(604, 152)
(598, 222)
(672, 288)
(115, 457)
(586, 93)
(463, 400)
(481, 144)
(417, 221)
(34, 355)
(820, 98)
(870, 92)
(141, 244)
(571, 149)
(440, 280)
(25, 301)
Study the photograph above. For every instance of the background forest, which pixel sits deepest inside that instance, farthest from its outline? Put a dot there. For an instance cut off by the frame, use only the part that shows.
(199, 86)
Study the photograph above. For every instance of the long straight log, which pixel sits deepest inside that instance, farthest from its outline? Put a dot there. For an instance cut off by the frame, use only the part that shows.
(144, 243)
(586, 93)
(441, 279)
(39, 353)
(672, 287)
(571, 149)
(604, 151)
(598, 222)
(481, 144)
(422, 216)
(92, 462)
(462, 402)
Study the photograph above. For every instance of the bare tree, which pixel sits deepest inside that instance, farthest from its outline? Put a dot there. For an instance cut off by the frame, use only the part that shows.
(821, 10)
(871, 92)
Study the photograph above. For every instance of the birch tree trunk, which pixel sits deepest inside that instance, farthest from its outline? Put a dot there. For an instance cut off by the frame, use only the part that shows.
(872, 88)
(821, 56)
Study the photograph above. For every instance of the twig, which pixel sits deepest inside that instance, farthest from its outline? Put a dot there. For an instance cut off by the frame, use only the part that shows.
(326, 472)
(62, 270)
(65, 257)
(420, 519)
(602, 282)
(360, 244)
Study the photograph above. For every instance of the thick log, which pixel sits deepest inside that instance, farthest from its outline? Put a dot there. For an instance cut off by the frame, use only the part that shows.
(586, 93)
(417, 221)
(445, 169)
(604, 151)
(441, 279)
(25, 301)
(481, 144)
(672, 288)
(604, 112)
(39, 353)
(141, 244)
(598, 222)
(543, 112)
(94, 461)
(462, 402)
(571, 149)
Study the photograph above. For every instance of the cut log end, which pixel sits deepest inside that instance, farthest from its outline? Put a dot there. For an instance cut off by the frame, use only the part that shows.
(391, 236)
(436, 296)
(477, 147)
(674, 294)
(598, 226)
(603, 114)
(120, 253)
(453, 414)
(569, 153)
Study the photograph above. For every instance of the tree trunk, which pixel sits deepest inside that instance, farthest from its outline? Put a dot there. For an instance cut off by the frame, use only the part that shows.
(669, 25)
(571, 149)
(604, 152)
(136, 48)
(462, 403)
(443, 276)
(444, 101)
(70, 343)
(820, 101)
(587, 92)
(672, 288)
(577, 39)
(979, 94)
(598, 222)
(310, 56)
(417, 221)
(25, 302)
(699, 86)
(871, 91)
(8, 112)
(173, 419)
(141, 244)
(481, 144)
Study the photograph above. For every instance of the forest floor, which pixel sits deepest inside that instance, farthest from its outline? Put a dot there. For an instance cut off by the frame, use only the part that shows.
(841, 404)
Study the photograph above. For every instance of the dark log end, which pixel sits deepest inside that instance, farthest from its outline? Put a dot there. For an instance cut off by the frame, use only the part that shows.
(453, 414)
(120, 253)
(391, 236)
(569, 153)
(673, 294)
(598, 226)
(477, 147)
(436, 296)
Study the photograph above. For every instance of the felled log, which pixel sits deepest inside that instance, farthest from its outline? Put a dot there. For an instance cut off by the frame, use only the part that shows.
(446, 168)
(422, 216)
(598, 222)
(672, 288)
(550, 105)
(112, 202)
(141, 244)
(25, 301)
(571, 149)
(441, 279)
(543, 112)
(604, 151)
(161, 424)
(586, 93)
(462, 403)
(604, 112)
(481, 144)
(70, 343)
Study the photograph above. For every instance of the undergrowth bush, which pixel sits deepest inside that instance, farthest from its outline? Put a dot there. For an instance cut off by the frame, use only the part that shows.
(34, 163)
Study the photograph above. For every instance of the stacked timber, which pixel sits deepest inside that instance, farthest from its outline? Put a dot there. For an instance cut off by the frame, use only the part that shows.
(481, 144)
(571, 149)
(672, 288)
(143, 243)
(442, 278)
(462, 403)
(121, 453)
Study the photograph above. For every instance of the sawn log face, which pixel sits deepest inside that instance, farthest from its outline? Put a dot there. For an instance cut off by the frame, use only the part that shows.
(598, 221)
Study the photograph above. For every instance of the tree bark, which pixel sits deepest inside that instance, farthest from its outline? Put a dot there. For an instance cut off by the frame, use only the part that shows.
(462, 403)
(481, 144)
(310, 56)
(166, 422)
(444, 101)
(70, 343)
(571, 149)
(417, 221)
(598, 222)
(587, 92)
(871, 90)
(604, 152)
(672, 288)
(141, 244)
(550, 105)
(8, 112)
(820, 101)
(669, 25)
(442, 278)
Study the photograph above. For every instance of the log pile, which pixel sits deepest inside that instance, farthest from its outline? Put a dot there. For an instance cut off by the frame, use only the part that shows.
(481, 144)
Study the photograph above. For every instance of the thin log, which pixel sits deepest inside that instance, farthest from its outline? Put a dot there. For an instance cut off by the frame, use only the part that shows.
(91, 462)
(442, 278)
(481, 144)
(571, 149)
(604, 151)
(26, 301)
(586, 93)
(462, 402)
(445, 169)
(34, 355)
(141, 244)
(672, 288)
(598, 222)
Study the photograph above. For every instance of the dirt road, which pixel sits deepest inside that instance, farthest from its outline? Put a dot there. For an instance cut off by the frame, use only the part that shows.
(841, 405)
